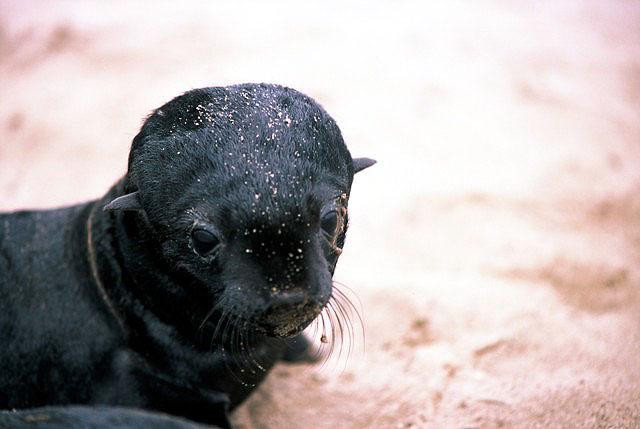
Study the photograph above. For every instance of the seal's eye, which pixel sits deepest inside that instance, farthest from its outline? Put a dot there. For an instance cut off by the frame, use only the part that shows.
(204, 241)
(329, 223)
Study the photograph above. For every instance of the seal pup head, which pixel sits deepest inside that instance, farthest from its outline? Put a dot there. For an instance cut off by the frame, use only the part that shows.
(244, 190)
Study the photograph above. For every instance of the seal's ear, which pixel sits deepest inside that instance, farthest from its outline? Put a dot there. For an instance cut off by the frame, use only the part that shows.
(126, 202)
(360, 164)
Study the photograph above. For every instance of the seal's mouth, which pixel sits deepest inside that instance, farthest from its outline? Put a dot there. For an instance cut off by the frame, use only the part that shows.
(280, 323)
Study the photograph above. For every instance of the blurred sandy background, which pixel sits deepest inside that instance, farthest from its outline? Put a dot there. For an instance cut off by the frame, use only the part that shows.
(496, 245)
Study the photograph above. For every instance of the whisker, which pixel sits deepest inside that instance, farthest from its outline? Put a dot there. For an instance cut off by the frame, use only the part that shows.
(227, 351)
(341, 313)
(332, 309)
(227, 324)
(332, 340)
(323, 337)
(352, 292)
(241, 349)
(235, 355)
(238, 352)
(252, 339)
(250, 358)
(351, 309)
(219, 324)
(209, 314)
(349, 324)
(315, 351)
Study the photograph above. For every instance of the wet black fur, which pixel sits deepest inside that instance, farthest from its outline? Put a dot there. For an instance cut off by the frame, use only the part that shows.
(86, 417)
(258, 163)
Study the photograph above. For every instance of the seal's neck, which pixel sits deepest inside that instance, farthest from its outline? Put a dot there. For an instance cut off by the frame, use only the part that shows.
(143, 291)
(102, 263)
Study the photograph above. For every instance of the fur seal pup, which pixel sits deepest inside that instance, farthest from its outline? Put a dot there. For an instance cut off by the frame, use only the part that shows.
(175, 290)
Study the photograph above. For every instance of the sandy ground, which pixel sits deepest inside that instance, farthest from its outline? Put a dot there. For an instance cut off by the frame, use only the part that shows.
(495, 248)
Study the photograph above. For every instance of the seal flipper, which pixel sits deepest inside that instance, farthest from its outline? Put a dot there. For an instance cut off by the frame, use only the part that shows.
(96, 417)
(299, 350)
(360, 164)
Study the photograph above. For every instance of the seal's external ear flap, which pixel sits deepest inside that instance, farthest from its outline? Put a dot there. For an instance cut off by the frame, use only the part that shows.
(126, 202)
(360, 164)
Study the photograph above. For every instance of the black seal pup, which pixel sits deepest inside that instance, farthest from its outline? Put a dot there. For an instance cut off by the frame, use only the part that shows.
(175, 290)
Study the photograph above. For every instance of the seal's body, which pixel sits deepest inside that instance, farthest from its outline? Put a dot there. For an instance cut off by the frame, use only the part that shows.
(182, 286)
